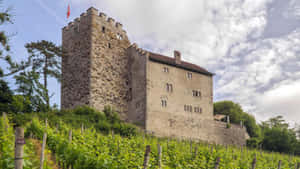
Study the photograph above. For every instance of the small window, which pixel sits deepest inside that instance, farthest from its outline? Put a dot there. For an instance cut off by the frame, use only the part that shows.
(163, 103)
(189, 75)
(103, 29)
(109, 45)
(166, 70)
(188, 108)
(196, 93)
(169, 87)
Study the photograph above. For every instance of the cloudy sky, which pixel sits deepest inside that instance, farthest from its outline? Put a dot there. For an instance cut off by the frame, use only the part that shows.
(253, 46)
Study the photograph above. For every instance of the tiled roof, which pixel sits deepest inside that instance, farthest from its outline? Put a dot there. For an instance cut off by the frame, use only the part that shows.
(184, 65)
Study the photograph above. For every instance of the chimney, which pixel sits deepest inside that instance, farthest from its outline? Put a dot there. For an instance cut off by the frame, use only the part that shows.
(177, 56)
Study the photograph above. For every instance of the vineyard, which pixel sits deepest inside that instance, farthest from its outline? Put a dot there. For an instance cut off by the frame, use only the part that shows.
(88, 149)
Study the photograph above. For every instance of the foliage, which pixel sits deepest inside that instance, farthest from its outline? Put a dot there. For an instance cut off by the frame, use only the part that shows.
(91, 150)
(278, 137)
(7, 139)
(6, 97)
(236, 114)
(83, 115)
(45, 60)
(29, 86)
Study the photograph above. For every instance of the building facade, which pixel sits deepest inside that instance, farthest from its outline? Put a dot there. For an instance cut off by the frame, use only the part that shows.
(164, 95)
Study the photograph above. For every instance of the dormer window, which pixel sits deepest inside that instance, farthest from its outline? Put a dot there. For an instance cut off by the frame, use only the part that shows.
(189, 75)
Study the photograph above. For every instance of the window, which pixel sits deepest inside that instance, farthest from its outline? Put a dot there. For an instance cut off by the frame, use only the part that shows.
(109, 45)
(169, 87)
(197, 109)
(188, 108)
(166, 70)
(103, 29)
(196, 93)
(163, 103)
(189, 75)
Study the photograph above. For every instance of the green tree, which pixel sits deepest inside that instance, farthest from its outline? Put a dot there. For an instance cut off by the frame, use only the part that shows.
(31, 89)
(5, 97)
(236, 114)
(6, 17)
(45, 60)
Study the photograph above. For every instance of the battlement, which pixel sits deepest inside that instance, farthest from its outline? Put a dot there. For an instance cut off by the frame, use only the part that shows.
(99, 15)
(140, 50)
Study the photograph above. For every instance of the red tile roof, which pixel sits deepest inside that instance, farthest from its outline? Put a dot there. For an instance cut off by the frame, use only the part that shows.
(184, 65)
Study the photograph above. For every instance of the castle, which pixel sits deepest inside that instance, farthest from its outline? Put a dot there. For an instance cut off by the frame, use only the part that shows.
(163, 95)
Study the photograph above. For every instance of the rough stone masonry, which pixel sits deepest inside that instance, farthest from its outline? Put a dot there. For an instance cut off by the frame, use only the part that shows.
(163, 95)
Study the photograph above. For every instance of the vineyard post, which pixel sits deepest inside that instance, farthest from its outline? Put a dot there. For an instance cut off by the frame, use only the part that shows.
(254, 162)
(113, 134)
(46, 123)
(70, 136)
(191, 147)
(4, 119)
(70, 141)
(147, 156)
(217, 163)
(298, 166)
(228, 120)
(196, 151)
(19, 151)
(159, 151)
(57, 128)
(43, 151)
(82, 128)
(279, 164)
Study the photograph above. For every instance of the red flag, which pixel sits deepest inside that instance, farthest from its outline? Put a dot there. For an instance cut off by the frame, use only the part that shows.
(68, 13)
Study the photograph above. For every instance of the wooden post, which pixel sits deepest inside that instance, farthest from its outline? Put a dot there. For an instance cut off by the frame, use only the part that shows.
(228, 120)
(159, 151)
(70, 136)
(19, 144)
(43, 151)
(191, 147)
(46, 123)
(147, 156)
(5, 122)
(57, 128)
(298, 166)
(113, 134)
(82, 129)
(70, 141)
(254, 163)
(196, 151)
(217, 163)
(279, 164)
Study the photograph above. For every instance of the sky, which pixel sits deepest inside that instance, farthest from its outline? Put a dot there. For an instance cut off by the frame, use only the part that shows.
(253, 46)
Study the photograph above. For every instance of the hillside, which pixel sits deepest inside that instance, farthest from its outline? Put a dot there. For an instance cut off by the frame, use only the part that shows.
(91, 149)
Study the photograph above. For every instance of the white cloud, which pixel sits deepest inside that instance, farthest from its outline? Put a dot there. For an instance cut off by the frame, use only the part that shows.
(226, 36)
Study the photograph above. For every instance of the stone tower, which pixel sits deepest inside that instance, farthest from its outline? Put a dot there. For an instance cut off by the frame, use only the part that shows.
(95, 64)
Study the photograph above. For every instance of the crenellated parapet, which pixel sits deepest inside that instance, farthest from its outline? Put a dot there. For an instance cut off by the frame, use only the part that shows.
(98, 16)
(140, 50)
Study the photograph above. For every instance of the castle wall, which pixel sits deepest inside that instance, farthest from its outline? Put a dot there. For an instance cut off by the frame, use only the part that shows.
(109, 65)
(173, 120)
(95, 67)
(76, 43)
(137, 69)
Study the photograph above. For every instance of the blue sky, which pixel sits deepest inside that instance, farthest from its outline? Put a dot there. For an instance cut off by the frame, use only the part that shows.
(253, 46)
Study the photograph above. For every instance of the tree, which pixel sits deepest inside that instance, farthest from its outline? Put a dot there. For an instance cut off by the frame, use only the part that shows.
(31, 89)
(237, 114)
(45, 60)
(5, 97)
(6, 17)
